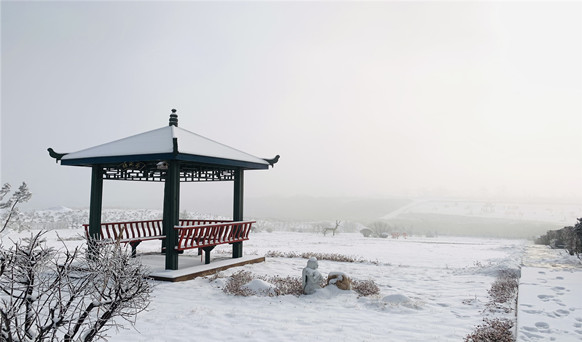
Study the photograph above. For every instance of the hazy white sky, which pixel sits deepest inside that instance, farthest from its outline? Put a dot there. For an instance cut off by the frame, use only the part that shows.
(359, 99)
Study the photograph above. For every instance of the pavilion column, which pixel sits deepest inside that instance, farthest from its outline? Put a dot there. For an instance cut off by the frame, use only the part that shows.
(171, 213)
(95, 207)
(237, 247)
(96, 203)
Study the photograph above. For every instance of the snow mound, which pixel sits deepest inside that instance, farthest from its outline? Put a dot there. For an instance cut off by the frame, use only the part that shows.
(396, 299)
(260, 286)
(219, 283)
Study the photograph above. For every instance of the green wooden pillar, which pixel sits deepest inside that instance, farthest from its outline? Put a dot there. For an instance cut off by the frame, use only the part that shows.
(95, 207)
(96, 204)
(237, 247)
(171, 212)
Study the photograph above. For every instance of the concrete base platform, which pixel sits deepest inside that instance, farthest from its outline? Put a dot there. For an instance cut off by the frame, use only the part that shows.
(191, 267)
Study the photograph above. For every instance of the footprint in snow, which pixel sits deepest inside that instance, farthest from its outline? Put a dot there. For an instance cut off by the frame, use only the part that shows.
(542, 325)
(545, 298)
(561, 312)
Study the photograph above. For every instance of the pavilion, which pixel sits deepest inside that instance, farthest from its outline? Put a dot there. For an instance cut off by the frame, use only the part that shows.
(171, 155)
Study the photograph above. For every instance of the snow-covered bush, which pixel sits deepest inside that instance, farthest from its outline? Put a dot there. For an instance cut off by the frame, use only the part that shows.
(380, 229)
(498, 330)
(365, 288)
(237, 284)
(504, 289)
(569, 238)
(51, 295)
(320, 256)
(366, 232)
(502, 298)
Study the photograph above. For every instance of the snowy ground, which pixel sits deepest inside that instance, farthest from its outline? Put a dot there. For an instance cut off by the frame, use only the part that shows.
(550, 301)
(443, 282)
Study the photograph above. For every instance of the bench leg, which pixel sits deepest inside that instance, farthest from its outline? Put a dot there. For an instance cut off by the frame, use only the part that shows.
(207, 254)
(134, 245)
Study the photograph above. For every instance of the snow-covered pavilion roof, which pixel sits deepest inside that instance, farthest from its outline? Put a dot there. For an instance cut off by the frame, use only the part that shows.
(158, 144)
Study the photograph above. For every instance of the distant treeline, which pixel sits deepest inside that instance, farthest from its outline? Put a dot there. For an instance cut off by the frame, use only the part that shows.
(569, 238)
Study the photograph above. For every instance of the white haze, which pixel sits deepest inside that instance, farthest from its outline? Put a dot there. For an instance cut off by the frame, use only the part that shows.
(361, 100)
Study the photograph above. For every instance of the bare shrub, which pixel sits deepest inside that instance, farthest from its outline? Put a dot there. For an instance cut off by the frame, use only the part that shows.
(283, 285)
(286, 285)
(498, 330)
(504, 287)
(319, 256)
(366, 232)
(503, 291)
(235, 282)
(49, 295)
(365, 288)
(502, 297)
(380, 228)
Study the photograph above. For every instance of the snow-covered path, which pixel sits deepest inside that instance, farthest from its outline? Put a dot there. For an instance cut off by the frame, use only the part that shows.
(550, 301)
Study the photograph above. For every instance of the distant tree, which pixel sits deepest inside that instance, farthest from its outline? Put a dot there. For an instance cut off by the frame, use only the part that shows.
(366, 232)
(11, 205)
(185, 215)
(380, 228)
(52, 296)
(569, 238)
(349, 227)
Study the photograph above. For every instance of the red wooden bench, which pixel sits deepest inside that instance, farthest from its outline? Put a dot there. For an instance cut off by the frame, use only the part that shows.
(208, 236)
(134, 232)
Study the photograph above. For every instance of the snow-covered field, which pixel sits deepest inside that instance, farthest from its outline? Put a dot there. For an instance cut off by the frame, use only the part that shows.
(430, 289)
(544, 212)
(550, 301)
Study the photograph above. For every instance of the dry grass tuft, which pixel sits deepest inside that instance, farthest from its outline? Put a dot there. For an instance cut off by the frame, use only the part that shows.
(319, 256)
(503, 295)
(503, 291)
(365, 288)
(235, 283)
(283, 285)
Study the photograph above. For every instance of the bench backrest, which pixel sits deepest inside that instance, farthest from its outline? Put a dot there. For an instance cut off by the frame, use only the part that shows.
(196, 222)
(198, 236)
(136, 230)
(129, 230)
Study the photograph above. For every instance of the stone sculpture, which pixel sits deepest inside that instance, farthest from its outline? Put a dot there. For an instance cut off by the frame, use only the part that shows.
(311, 277)
(339, 279)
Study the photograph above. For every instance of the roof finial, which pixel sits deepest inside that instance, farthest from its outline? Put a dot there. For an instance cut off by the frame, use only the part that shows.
(174, 118)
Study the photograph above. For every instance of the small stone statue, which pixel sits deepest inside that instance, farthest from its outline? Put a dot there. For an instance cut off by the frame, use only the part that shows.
(311, 277)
